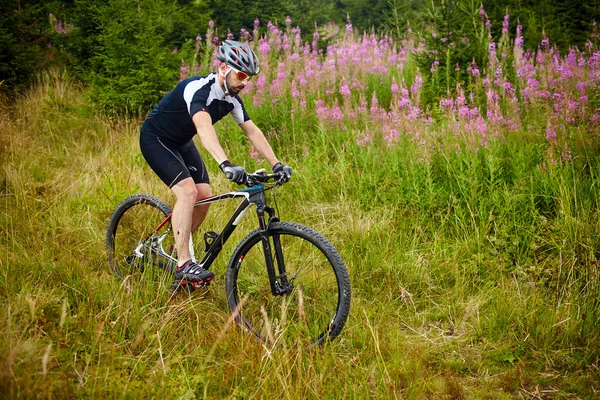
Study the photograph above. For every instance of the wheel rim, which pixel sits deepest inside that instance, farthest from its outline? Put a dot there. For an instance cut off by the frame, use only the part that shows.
(136, 225)
(306, 314)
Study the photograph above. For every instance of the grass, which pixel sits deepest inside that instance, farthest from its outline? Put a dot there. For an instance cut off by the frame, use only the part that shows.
(474, 275)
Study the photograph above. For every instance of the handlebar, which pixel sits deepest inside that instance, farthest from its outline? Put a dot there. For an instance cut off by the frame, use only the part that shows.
(260, 176)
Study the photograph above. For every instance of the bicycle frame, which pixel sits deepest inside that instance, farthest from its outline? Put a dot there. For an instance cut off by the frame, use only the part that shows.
(252, 195)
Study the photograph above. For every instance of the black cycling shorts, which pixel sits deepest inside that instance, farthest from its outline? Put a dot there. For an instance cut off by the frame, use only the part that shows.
(173, 162)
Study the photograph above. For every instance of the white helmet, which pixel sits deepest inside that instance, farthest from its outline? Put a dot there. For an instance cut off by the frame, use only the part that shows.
(239, 56)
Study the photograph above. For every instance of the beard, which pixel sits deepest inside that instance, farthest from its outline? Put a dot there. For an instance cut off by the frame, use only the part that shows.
(233, 89)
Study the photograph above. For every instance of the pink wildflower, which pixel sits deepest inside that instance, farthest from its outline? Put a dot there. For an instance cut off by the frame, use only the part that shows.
(366, 139)
(550, 134)
(345, 90)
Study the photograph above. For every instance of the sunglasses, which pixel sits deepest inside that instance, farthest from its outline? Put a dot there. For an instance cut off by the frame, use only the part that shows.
(240, 75)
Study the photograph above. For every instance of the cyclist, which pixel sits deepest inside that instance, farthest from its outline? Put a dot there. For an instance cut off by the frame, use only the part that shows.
(193, 107)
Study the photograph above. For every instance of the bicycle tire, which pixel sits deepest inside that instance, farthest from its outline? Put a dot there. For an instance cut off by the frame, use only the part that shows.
(133, 220)
(316, 309)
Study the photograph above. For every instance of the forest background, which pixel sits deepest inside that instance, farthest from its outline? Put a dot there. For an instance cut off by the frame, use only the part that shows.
(449, 149)
(141, 43)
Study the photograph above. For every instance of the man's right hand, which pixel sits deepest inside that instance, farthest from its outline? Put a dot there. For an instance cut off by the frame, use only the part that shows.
(233, 172)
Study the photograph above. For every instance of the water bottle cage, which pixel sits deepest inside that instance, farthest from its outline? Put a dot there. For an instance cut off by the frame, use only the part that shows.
(209, 239)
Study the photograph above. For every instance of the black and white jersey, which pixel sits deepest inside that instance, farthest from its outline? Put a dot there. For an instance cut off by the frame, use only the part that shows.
(172, 117)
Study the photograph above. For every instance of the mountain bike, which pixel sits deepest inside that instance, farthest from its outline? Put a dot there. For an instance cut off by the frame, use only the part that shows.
(284, 282)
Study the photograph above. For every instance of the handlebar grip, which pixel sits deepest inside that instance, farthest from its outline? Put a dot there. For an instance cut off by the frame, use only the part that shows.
(228, 175)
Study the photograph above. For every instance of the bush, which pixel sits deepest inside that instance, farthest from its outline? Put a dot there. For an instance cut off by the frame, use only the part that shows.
(128, 52)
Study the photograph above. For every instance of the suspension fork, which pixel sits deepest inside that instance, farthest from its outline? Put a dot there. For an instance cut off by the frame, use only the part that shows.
(279, 284)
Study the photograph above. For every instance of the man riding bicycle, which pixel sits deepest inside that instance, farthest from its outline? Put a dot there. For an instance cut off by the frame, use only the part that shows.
(166, 141)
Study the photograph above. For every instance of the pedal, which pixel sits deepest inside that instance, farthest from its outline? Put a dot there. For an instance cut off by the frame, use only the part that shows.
(200, 284)
(209, 239)
(182, 286)
(188, 287)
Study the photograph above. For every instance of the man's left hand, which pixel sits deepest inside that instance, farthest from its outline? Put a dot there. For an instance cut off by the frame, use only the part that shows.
(284, 171)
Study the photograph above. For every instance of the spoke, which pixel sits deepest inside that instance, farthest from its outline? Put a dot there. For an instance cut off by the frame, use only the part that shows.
(305, 313)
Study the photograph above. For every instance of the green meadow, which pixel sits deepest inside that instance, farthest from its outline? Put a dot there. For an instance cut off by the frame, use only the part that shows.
(472, 239)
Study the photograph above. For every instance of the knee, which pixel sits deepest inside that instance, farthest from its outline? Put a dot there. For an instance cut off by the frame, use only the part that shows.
(203, 191)
(185, 191)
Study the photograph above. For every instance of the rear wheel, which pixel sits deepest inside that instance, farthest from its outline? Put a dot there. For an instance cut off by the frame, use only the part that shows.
(316, 299)
(133, 241)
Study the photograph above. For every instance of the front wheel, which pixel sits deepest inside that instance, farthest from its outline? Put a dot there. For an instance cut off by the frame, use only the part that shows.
(315, 301)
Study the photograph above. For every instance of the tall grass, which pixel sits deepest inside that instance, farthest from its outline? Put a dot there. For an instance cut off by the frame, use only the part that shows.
(472, 253)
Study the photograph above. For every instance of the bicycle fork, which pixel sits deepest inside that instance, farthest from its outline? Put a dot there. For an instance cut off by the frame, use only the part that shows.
(279, 284)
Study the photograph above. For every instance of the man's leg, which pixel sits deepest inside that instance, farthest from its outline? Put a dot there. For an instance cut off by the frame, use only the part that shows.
(183, 214)
(203, 190)
(183, 211)
(172, 162)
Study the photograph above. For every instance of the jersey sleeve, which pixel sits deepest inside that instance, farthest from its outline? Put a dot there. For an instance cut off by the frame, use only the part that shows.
(239, 111)
(200, 100)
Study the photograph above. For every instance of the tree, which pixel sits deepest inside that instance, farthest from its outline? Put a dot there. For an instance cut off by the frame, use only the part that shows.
(128, 51)
(565, 22)
(24, 33)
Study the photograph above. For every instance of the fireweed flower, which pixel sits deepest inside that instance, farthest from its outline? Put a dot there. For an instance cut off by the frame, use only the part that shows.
(550, 134)
(304, 73)
(473, 70)
(261, 83)
(183, 70)
(404, 101)
(366, 139)
(414, 113)
(345, 91)
(447, 103)
(255, 30)
(264, 46)
(417, 84)
(505, 24)
(321, 109)
(545, 42)
(295, 92)
(391, 137)
(348, 28)
(461, 101)
(336, 112)
(519, 37)
(375, 104)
